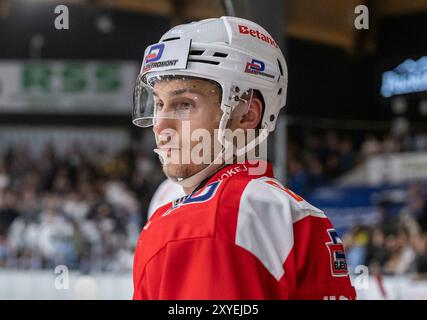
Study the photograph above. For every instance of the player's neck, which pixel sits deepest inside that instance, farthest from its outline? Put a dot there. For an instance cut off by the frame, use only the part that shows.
(189, 190)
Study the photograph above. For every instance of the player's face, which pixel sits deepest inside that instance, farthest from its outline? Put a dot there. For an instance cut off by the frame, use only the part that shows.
(182, 107)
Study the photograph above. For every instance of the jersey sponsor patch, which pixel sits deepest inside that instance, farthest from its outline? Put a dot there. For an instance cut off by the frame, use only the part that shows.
(203, 195)
(337, 254)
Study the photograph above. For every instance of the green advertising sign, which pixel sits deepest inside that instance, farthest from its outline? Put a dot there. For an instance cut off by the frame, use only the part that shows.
(71, 86)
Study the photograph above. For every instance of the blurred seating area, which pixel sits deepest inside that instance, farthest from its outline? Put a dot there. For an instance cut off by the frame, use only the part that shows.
(316, 158)
(83, 208)
(397, 244)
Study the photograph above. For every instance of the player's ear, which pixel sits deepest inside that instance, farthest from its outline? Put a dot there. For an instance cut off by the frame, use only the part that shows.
(253, 117)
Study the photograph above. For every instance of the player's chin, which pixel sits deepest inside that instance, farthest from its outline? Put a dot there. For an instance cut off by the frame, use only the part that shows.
(181, 171)
(174, 170)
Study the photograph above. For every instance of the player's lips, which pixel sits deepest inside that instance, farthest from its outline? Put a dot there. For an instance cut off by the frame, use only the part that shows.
(165, 150)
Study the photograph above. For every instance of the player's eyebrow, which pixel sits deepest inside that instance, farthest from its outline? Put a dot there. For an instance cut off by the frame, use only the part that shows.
(181, 91)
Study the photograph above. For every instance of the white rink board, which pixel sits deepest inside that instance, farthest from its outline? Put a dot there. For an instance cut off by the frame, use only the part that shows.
(41, 285)
(106, 286)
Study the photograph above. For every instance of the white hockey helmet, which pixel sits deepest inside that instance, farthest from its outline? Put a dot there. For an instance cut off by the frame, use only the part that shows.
(237, 54)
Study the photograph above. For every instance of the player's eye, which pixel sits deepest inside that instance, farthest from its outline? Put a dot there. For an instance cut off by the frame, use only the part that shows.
(159, 105)
(184, 106)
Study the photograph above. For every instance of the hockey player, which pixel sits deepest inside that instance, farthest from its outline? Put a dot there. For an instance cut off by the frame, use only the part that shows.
(238, 233)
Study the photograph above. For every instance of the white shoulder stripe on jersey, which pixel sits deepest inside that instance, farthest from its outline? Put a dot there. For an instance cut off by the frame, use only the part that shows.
(300, 209)
(265, 223)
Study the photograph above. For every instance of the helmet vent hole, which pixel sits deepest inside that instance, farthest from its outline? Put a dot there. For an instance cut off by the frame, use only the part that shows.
(196, 52)
(280, 67)
(170, 39)
(280, 91)
(272, 117)
(204, 61)
(220, 54)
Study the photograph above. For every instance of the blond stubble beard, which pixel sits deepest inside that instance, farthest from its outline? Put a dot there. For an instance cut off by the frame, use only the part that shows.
(182, 171)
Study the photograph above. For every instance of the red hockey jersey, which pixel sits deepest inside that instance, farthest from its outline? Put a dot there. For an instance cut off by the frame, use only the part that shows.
(240, 236)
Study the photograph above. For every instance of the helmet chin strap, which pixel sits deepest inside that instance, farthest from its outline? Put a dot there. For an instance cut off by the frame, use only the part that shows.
(195, 179)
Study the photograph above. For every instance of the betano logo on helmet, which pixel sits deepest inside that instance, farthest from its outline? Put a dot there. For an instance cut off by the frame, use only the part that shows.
(257, 67)
(154, 55)
(256, 34)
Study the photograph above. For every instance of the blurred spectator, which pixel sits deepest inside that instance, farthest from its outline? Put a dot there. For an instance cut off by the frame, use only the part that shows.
(8, 211)
(402, 255)
(391, 144)
(317, 177)
(82, 208)
(377, 253)
(298, 177)
(420, 246)
(417, 206)
(420, 141)
(356, 242)
(371, 146)
(347, 157)
(4, 178)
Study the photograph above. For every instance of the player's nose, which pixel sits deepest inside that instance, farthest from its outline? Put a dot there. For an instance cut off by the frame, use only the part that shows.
(161, 124)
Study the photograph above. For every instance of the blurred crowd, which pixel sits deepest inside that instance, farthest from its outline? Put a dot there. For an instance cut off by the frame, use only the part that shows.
(316, 158)
(397, 244)
(83, 208)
